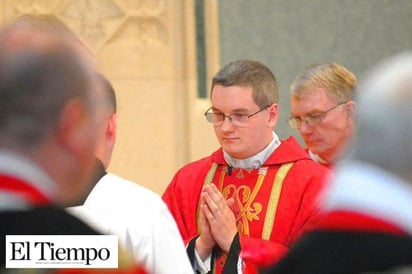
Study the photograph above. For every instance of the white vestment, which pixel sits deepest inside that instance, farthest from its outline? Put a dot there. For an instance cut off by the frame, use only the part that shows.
(141, 220)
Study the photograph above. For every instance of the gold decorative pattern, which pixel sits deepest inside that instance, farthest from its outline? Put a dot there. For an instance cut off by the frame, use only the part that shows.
(208, 181)
(246, 209)
(274, 200)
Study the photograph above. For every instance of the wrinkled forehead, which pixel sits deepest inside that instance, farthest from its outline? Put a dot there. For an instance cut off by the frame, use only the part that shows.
(314, 93)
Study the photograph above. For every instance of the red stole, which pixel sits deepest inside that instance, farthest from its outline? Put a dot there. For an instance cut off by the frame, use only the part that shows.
(21, 188)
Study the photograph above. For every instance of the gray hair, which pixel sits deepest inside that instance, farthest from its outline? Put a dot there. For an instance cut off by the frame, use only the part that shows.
(384, 126)
(338, 81)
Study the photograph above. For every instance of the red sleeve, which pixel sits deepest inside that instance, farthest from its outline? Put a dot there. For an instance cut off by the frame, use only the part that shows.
(176, 204)
(182, 197)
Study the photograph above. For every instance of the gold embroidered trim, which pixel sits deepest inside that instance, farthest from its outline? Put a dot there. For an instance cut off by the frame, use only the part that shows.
(210, 174)
(243, 214)
(208, 181)
(274, 200)
(222, 178)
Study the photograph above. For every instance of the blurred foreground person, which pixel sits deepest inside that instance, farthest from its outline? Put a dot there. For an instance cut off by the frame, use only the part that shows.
(322, 108)
(366, 225)
(48, 128)
(137, 215)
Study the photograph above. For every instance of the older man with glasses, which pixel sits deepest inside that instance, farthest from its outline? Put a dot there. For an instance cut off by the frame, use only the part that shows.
(245, 204)
(366, 224)
(322, 109)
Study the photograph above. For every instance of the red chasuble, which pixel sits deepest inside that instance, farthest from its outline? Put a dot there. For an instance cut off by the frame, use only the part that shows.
(274, 204)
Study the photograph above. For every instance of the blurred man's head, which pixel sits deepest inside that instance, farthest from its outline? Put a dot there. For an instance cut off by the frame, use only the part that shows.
(48, 90)
(384, 122)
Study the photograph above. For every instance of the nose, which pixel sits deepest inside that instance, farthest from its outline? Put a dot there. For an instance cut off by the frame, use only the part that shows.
(227, 124)
(304, 127)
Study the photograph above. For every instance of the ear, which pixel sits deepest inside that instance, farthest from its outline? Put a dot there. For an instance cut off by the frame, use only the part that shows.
(351, 110)
(70, 126)
(111, 130)
(273, 115)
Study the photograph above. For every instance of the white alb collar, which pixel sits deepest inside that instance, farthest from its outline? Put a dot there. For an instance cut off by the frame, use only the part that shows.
(255, 161)
(317, 158)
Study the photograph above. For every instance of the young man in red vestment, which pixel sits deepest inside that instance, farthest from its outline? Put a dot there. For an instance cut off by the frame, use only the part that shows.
(366, 220)
(244, 205)
(322, 109)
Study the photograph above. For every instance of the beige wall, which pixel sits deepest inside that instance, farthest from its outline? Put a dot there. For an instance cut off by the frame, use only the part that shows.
(147, 49)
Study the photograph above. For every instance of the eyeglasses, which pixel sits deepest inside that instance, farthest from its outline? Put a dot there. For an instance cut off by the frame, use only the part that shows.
(237, 119)
(311, 119)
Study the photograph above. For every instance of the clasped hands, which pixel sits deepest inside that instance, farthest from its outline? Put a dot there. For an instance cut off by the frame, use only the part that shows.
(217, 221)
